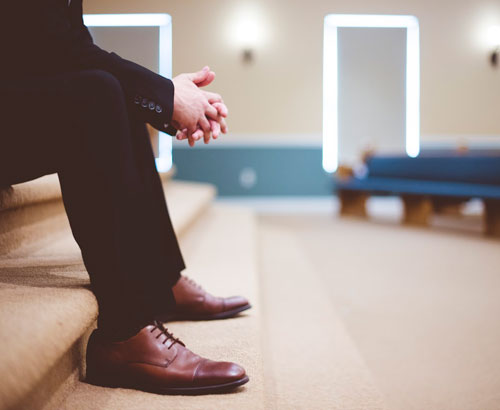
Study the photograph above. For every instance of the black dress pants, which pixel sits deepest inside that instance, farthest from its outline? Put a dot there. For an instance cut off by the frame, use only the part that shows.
(78, 126)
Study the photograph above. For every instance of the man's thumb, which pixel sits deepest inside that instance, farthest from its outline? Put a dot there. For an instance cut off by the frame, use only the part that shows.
(200, 76)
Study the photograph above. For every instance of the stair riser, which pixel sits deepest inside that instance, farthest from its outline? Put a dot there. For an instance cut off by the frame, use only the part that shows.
(37, 221)
(220, 250)
(29, 224)
(33, 210)
(34, 236)
(59, 380)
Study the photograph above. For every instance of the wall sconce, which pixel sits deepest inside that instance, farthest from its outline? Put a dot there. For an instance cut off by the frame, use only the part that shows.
(248, 31)
(248, 56)
(494, 39)
(248, 35)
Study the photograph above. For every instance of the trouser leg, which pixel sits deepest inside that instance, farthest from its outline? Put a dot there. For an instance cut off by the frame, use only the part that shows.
(152, 183)
(113, 197)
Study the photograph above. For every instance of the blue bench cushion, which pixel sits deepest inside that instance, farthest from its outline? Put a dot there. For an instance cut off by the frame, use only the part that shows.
(422, 187)
(467, 169)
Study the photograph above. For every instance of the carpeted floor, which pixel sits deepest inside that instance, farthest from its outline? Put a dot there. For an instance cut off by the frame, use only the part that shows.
(223, 260)
(310, 360)
(347, 314)
(420, 305)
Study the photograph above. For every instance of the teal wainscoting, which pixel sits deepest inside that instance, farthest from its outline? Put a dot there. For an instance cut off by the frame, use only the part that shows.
(255, 170)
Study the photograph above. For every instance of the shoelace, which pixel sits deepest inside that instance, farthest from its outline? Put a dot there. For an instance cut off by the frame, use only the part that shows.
(192, 282)
(168, 336)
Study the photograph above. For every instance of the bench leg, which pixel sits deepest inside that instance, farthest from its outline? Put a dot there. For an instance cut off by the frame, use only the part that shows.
(353, 203)
(417, 210)
(446, 206)
(492, 218)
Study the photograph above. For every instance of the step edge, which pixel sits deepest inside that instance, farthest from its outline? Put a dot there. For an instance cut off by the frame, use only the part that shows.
(255, 324)
(45, 189)
(88, 319)
(207, 192)
(11, 391)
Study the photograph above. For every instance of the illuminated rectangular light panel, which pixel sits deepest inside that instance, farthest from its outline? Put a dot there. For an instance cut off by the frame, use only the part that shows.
(164, 23)
(331, 87)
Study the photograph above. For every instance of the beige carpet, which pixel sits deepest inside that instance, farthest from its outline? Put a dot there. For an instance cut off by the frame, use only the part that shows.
(356, 315)
(45, 305)
(45, 302)
(221, 255)
(421, 305)
(311, 362)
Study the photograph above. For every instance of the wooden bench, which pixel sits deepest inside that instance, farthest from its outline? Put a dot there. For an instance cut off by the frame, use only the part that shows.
(427, 185)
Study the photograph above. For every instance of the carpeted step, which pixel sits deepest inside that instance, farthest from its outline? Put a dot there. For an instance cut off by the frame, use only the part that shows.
(30, 212)
(43, 189)
(187, 201)
(220, 253)
(46, 306)
(33, 211)
(312, 363)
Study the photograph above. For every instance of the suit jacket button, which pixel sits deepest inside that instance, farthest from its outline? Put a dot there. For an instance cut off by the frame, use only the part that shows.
(159, 110)
(152, 105)
(137, 99)
(144, 103)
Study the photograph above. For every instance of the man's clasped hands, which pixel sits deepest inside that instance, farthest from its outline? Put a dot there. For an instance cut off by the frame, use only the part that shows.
(197, 113)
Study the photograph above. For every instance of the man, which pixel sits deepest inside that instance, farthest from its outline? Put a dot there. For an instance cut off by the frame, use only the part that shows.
(69, 107)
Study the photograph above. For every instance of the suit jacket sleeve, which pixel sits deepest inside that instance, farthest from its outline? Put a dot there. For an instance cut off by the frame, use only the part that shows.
(149, 96)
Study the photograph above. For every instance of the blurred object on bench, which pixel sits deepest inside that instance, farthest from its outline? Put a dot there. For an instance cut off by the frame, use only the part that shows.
(430, 184)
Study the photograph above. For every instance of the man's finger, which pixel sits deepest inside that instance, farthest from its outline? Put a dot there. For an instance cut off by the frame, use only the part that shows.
(211, 112)
(182, 135)
(205, 126)
(215, 129)
(223, 126)
(221, 109)
(191, 128)
(195, 136)
(212, 97)
(198, 134)
(207, 136)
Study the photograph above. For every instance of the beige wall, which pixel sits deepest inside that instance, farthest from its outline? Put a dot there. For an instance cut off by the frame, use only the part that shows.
(281, 92)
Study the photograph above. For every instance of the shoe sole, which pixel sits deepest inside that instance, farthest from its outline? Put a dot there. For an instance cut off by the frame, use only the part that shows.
(216, 389)
(217, 316)
(187, 391)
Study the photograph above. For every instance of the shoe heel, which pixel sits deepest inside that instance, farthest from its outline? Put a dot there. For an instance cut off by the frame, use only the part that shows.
(99, 376)
(98, 371)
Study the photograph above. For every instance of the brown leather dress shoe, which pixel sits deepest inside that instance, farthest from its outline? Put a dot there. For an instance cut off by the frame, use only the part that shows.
(194, 303)
(155, 361)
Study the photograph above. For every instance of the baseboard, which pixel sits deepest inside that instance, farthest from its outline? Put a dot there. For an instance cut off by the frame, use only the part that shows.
(256, 170)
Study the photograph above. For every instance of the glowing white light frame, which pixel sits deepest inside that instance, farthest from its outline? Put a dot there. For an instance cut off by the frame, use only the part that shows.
(164, 23)
(330, 78)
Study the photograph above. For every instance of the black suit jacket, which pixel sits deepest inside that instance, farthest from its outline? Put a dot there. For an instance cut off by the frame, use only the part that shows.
(45, 37)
